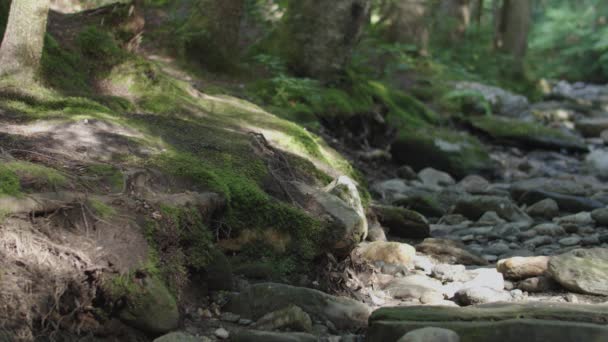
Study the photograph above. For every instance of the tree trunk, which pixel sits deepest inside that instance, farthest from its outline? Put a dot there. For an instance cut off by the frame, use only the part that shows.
(513, 23)
(477, 11)
(454, 17)
(5, 6)
(215, 27)
(318, 36)
(407, 22)
(24, 39)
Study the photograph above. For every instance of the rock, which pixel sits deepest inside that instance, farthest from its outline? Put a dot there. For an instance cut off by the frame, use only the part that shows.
(430, 334)
(221, 333)
(424, 204)
(291, 317)
(150, 306)
(582, 270)
(391, 190)
(423, 263)
(600, 216)
(580, 219)
(570, 241)
(567, 203)
(502, 102)
(450, 251)
(376, 233)
(417, 287)
(490, 218)
(473, 207)
(504, 322)
(583, 94)
(406, 172)
(549, 229)
(570, 196)
(498, 248)
(177, 337)
(229, 317)
(402, 222)
(523, 267)
(260, 299)
(474, 184)
(388, 252)
(537, 284)
(528, 135)
(450, 273)
(546, 209)
(458, 154)
(538, 241)
(597, 161)
(591, 127)
(219, 272)
(247, 335)
(349, 225)
(480, 295)
(435, 179)
(346, 189)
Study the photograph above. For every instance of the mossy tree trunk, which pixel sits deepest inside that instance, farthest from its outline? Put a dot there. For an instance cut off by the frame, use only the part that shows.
(318, 36)
(5, 6)
(23, 40)
(513, 19)
(214, 29)
(453, 18)
(407, 22)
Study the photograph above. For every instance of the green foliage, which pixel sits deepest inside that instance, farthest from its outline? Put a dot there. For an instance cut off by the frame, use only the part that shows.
(570, 40)
(63, 69)
(9, 182)
(103, 210)
(99, 46)
(36, 175)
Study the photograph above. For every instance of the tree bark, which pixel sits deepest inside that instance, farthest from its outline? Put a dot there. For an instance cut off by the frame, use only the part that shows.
(318, 36)
(408, 22)
(454, 17)
(23, 41)
(513, 23)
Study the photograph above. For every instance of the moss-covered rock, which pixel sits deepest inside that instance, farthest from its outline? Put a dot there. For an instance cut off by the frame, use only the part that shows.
(458, 154)
(149, 305)
(527, 134)
(402, 222)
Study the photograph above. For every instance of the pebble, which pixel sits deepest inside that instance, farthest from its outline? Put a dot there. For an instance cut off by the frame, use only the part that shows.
(222, 333)
(570, 241)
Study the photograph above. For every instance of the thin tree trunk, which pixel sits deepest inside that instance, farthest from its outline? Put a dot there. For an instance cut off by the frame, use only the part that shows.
(23, 41)
(513, 27)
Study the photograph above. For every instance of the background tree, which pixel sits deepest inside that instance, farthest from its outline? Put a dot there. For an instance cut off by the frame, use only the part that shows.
(406, 22)
(513, 24)
(24, 39)
(453, 18)
(317, 37)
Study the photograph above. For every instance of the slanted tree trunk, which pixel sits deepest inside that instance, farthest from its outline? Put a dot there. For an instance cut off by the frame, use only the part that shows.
(408, 22)
(513, 21)
(23, 40)
(318, 36)
(453, 19)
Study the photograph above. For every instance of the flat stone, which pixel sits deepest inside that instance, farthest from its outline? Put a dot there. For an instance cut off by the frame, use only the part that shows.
(537, 284)
(473, 207)
(435, 178)
(291, 317)
(248, 335)
(178, 337)
(549, 229)
(582, 270)
(570, 241)
(523, 267)
(401, 222)
(415, 287)
(547, 209)
(600, 216)
(480, 295)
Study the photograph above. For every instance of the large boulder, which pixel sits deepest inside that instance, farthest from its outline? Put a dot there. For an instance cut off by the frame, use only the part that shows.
(458, 154)
(150, 306)
(582, 270)
(395, 253)
(517, 268)
(339, 205)
(527, 134)
(473, 207)
(260, 299)
(505, 322)
(502, 102)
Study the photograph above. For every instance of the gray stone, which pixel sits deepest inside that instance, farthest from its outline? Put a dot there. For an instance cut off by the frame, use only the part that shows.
(523, 267)
(430, 334)
(178, 337)
(395, 253)
(582, 270)
(537, 284)
(549, 229)
(538, 241)
(600, 216)
(402, 222)
(597, 161)
(247, 335)
(435, 179)
(546, 209)
(473, 207)
(580, 219)
(474, 184)
(592, 127)
(291, 317)
(222, 333)
(450, 251)
(498, 248)
(570, 241)
(406, 172)
(260, 299)
(503, 102)
(415, 287)
(490, 218)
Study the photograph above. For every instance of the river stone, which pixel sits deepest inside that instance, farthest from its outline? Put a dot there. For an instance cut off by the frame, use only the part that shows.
(523, 267)
(597, 162)
(546, 209)
(592, 127)
(502, 101)
(473, 207)
(474, 184)
(417, 287)
(346, 189)
(600, 216)
(247, 335)
(450, 251)
(291, 317)
(549, 229)
(150, 307)
(260, 299)
(480, 295)
(582, 270)
(537, 284)
(388, 252)
(403, 223)
(430, 334)
(435, 179)
(178, 337)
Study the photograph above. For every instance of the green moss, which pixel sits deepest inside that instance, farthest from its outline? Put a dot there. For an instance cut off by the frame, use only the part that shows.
(9, 182)
(36, 175)
(100, 46)
(63, 69)
(503, 128)
(108, 175)
(103, 210)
